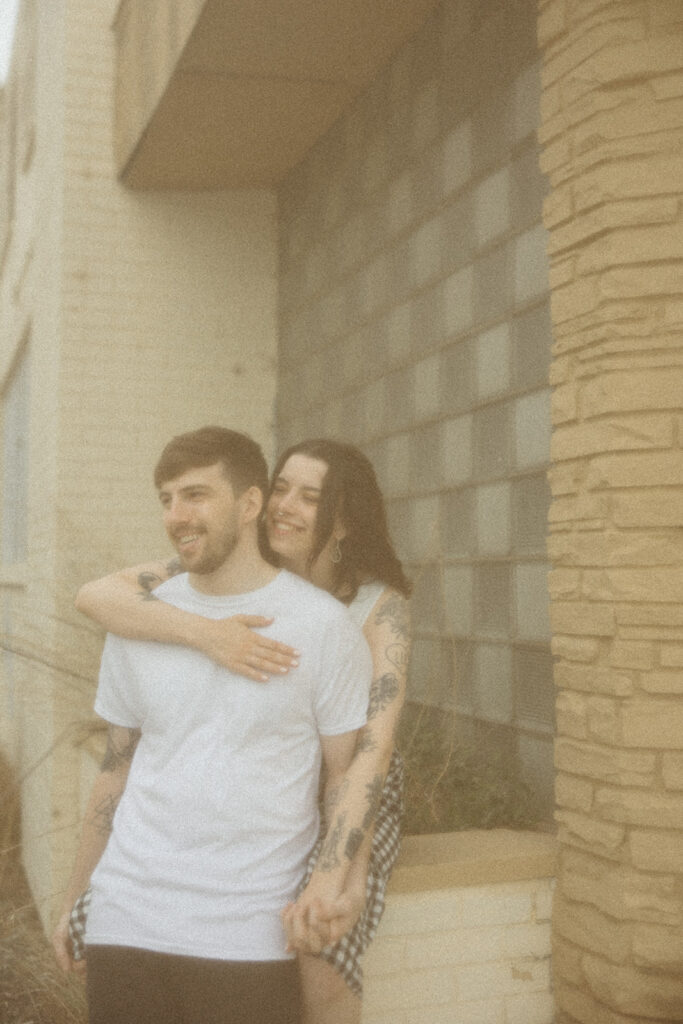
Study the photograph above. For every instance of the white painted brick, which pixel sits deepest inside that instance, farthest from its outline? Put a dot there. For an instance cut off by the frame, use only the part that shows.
(543, 900)
(483, 1011)
(530, 1008)
(481, 981)
(527, 940)
(385, 955)
(369, 1017)
(475, 945)
(496, 905)
(410, 989)
(425, 912)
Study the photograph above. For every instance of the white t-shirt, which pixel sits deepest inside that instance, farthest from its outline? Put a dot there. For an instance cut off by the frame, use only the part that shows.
(220, 810)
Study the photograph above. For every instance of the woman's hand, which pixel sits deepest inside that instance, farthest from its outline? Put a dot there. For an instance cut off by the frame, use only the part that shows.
(233, 644)
(316, 920)
(61, 943)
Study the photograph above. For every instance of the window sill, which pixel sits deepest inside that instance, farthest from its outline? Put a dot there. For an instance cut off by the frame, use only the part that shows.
(472, 857)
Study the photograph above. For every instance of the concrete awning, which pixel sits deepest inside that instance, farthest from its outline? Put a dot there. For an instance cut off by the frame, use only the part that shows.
(233, 93)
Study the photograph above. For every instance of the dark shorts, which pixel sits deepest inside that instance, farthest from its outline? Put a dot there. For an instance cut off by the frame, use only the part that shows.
(136, 986)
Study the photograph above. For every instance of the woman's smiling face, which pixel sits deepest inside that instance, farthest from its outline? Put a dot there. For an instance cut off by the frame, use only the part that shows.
(292, 511)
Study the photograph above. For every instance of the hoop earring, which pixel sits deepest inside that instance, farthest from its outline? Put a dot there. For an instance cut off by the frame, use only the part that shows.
(336, 551)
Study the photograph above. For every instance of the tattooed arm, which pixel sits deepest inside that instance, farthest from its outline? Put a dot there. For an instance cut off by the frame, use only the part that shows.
(97, 825)
(124, 603)
(340, 846)
(348, 841)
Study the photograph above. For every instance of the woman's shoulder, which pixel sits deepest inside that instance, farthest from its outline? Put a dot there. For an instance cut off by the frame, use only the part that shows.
(371, 595)
(390, 610)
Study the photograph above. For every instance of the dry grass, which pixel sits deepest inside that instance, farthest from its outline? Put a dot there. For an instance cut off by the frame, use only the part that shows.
(32, 988)
(452, 785)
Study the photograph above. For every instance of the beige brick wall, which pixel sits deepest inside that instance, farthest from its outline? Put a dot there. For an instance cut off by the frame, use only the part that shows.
(148, 314)
(612, 109)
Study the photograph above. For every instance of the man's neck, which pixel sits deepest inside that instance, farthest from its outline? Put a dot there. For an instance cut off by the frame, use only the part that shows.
(241, 573)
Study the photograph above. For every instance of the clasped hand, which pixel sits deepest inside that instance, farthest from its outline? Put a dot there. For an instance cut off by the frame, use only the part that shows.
(313, 923)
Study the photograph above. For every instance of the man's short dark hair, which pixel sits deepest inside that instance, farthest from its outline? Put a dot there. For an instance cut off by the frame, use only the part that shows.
(242, 459)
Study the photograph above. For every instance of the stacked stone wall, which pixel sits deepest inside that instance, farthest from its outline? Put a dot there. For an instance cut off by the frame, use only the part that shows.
(612, 136)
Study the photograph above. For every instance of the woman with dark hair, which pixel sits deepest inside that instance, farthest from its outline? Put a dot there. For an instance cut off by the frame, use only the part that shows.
(324, 520)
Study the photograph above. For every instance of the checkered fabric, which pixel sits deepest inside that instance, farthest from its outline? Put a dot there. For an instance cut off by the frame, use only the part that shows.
(77, 921)
(345, 954)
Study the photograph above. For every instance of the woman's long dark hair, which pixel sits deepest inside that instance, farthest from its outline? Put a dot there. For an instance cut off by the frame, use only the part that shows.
(350, 492)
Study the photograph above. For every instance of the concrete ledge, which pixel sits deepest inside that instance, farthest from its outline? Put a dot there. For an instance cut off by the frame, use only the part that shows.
(473, 857)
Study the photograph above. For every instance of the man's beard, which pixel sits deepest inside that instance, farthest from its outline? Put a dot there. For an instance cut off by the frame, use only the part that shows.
(213, 559)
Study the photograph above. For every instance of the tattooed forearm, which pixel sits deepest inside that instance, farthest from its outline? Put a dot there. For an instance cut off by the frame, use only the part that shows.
(121, 745)
(365, 742)
(374, 791)
(353, 842)
(395, 612)
(103, 815)
(329, 854)
(397, 655)
(332, 798)
(382, 692)
(350, 841)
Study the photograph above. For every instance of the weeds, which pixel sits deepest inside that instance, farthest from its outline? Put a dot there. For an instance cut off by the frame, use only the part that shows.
(32, 988)
(454, 784)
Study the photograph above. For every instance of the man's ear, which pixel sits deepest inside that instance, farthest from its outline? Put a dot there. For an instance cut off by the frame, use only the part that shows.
(252, 504)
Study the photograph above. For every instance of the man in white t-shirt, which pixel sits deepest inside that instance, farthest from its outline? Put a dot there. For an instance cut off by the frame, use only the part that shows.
(205, 808)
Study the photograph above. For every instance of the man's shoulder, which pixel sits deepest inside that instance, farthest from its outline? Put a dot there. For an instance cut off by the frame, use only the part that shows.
(319, 621)
(320, 602)
(174, 586)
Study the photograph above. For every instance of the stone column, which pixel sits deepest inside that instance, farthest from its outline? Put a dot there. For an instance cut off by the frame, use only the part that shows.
(612, 137)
